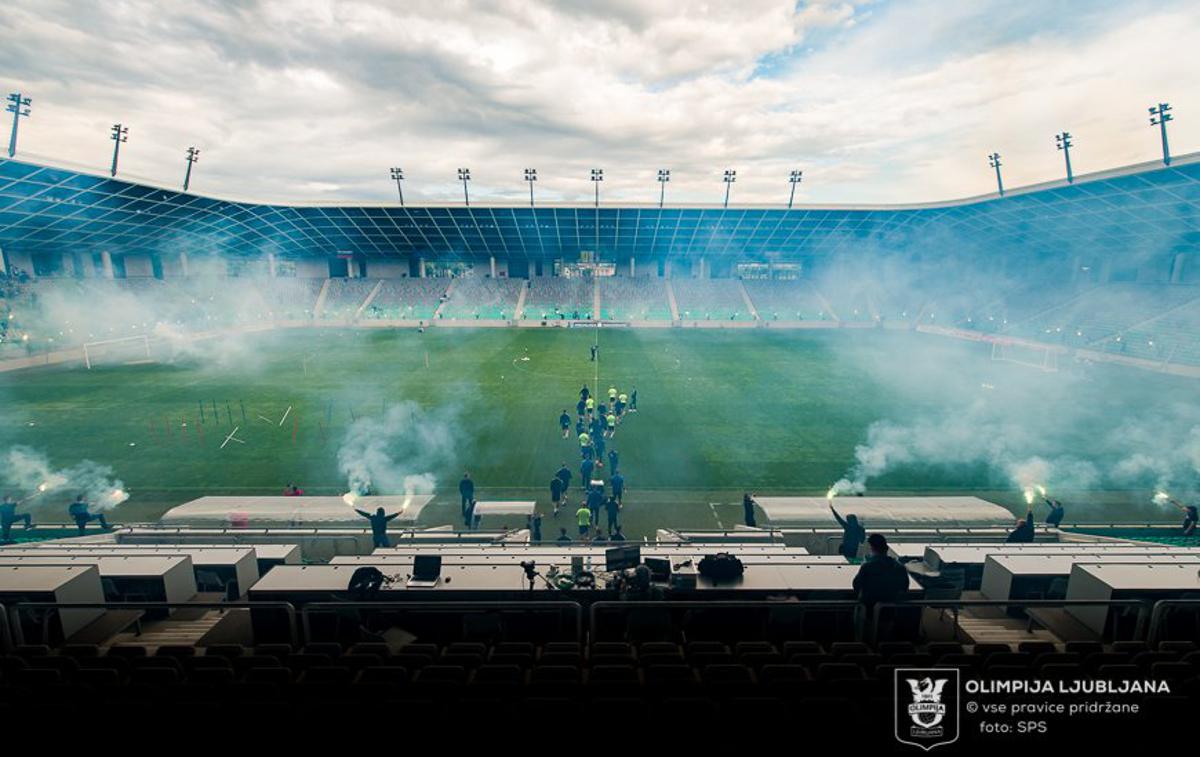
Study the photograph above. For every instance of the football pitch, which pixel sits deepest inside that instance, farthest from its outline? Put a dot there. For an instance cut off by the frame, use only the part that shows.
(720, 412)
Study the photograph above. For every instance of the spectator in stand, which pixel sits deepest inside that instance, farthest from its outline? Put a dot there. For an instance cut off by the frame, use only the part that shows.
(466, 489)
(1023, 533)
(8, 516)
(1189, 517)
(562, 537)
(853, 534)
(880, 578)
(748, 504)
(1055, 516)
(293, 491)
(379, 524)
(78, 510)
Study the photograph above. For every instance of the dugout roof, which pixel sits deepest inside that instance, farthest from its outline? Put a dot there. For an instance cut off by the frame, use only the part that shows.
(45, 208)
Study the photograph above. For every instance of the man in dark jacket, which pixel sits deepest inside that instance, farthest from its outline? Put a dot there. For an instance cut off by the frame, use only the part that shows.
(379, 524)
(881, 578)
(853, 534)
(466, 488)
(1057, 511)
(1023, 533)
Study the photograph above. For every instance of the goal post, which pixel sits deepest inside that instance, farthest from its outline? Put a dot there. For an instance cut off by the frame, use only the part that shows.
(130, 349)
(1040, 356)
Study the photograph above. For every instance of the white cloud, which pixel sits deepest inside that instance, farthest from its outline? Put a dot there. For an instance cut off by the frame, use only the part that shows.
(876, 103)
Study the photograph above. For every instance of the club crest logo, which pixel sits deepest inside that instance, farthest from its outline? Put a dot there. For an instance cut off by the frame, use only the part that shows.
(927, 706)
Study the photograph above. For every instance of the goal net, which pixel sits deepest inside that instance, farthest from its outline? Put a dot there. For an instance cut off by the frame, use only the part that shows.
(130, 349)
(1035, 356)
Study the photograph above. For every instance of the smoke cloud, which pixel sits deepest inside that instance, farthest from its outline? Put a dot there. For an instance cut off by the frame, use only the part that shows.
(32, 473)
(400, 451)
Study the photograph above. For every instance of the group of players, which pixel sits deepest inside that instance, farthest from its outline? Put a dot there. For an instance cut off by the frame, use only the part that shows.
(596, 422)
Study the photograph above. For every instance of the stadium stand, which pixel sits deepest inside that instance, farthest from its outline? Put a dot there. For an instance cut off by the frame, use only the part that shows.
(556, 298)
(345, 296)
(710, 300)
(633, 299)
(407, 299)
(786, 300)
(1101, 312)
(650, 659)
(482, 298)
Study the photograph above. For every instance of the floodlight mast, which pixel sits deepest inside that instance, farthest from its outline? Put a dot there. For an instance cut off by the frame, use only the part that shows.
(664, 175)
(18, 105)
(1159, 115)
(464, 175)
(119, 135)
(730, 177)
(193, 155)
(794, 178)
(530, 177)
(597, 177)
(1063, 141)
(398, 177)
(994, 162)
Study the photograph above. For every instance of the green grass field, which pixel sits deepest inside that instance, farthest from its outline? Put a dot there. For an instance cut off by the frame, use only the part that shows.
(720, 412)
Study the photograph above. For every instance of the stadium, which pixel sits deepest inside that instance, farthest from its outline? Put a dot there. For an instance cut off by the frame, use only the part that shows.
(627, 455)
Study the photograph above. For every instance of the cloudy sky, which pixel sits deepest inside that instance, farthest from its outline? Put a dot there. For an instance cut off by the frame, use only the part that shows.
(874, 101)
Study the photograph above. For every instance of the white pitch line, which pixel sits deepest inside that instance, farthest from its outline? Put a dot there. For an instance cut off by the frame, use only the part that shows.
(268, 420)
(713, 506)
(230, 437)
(285, 415)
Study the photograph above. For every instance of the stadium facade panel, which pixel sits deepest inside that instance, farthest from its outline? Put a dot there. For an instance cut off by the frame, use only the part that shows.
(44, 208)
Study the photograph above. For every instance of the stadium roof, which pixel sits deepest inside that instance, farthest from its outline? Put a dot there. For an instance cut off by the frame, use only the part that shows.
(45, 208)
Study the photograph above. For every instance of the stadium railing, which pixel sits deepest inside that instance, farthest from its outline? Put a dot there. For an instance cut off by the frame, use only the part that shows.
(17, 634)
(573, 609)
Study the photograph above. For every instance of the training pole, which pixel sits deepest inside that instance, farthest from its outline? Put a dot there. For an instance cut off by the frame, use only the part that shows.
(216, 416)
(243, 405)
(229, 412)
(201, 404)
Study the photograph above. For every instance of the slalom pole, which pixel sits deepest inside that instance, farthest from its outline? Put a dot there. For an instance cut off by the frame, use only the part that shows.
(243, 405)
(229, 412)
(201, 404)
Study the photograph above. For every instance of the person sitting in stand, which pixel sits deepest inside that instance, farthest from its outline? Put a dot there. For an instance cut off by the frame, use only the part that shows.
(291, 490)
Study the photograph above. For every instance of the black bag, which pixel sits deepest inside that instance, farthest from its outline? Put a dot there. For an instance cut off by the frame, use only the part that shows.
(722, 566)
(365, 583)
